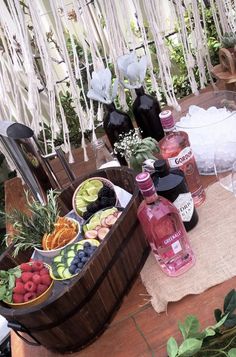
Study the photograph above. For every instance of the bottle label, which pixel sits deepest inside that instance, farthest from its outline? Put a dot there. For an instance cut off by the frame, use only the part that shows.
(184, 204)
(182, 158)
(173, 243)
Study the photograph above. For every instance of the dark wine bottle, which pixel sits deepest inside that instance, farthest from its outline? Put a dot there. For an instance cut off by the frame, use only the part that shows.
(146, 111)
(172, 185)
(116, 122)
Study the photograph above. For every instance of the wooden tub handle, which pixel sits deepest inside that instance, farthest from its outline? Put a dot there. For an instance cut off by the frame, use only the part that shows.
(16, 327)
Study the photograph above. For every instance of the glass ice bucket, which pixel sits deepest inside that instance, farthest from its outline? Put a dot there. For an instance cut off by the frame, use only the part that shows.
(209, 122)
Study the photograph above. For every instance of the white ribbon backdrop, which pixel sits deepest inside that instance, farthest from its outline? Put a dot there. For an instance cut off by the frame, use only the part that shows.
(36, 61)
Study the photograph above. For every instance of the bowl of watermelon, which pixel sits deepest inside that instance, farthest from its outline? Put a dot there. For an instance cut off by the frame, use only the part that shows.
(26, 285)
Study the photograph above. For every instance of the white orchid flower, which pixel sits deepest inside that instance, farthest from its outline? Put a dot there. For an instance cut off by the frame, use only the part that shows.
(102, 89)
(132, 69)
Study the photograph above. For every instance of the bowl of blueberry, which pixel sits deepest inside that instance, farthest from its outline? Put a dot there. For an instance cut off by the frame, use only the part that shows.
(72, 259)
(93, 195)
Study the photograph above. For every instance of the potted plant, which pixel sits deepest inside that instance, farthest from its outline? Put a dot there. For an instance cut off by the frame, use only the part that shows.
(135, 149)
(216, 340)
(227, 52)
(228, 40)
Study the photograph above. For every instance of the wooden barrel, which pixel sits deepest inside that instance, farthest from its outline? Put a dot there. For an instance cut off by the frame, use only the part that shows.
(79, 310)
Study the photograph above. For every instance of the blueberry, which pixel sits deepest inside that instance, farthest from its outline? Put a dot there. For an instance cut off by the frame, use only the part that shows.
(84, 259)
(80, 265)
(78, 270)
(80, 254)
(87, 244)
(72, 269)
(75, 260)
(94, 247)
(89, 251)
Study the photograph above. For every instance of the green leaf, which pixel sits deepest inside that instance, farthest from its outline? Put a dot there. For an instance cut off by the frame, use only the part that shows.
(190, 326)
(209, 332)
(189, 347)
(2, 291)
(3, 274)
(217, 314)
(220, 323)
(172, 347)
(232, 352)
(8, 296)
(182, 330)
(11, 282)
(230, 302)
(17, 273)
(230, 321)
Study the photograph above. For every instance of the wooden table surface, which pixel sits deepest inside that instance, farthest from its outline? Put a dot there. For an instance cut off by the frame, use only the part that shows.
(137, 330)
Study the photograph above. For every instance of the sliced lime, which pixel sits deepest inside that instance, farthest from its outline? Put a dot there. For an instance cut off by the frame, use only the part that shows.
(96, 218)
(96, 183)
(80, 201)
(91, 198)
(85, 229)
(87, 184)
(107, 212)
(81, 190)
(91, 226)
(92, 191)
(81, 210)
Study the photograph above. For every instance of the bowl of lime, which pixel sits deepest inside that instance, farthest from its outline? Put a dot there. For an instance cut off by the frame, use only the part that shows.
(93, 195)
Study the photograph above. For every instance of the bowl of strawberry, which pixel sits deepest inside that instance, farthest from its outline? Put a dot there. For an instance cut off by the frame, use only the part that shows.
(27, 284)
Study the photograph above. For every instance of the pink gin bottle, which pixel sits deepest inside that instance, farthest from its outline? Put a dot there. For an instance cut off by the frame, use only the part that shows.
(176, 150)
(164, 229)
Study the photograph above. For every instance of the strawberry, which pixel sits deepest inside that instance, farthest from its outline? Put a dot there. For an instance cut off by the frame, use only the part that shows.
(29, 296)
(41, 288)
(17, 298)
(26, 276)
(37, 265)
(30, 286)
(43, 271)
(19, 288)
(25, 267)
(46, 279)
(36, 278)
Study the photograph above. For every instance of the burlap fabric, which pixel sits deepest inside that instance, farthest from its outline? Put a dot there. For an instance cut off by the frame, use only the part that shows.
(213, 241)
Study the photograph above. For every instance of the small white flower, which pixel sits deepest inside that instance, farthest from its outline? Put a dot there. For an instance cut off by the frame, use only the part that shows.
(102, 89)
(132, 69)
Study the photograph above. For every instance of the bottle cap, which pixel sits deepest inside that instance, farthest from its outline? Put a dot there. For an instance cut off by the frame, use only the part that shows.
(144, 181)
(167, 120)
(160, 166)
(145, 184)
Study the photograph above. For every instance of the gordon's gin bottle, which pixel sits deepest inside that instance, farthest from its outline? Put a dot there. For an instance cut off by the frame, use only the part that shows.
(176, 150)
(164, 229)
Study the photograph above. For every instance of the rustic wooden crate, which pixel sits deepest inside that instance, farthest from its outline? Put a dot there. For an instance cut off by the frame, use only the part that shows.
(79, 310)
